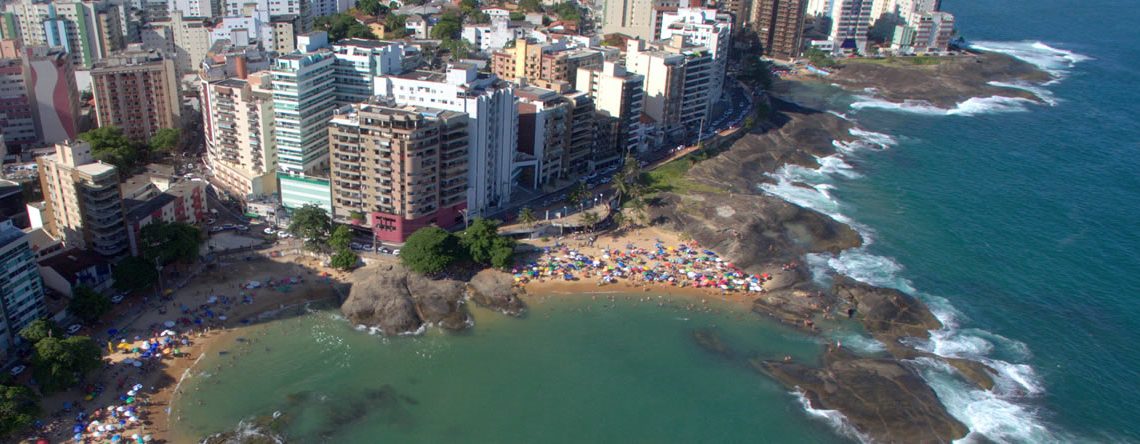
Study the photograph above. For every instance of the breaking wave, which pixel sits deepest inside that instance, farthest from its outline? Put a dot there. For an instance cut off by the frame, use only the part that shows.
(971, 107)
(993, 414)
(1055, 61)
(832, 417)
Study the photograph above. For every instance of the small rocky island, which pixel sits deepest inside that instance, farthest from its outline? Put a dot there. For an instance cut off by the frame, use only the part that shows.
(397, 301)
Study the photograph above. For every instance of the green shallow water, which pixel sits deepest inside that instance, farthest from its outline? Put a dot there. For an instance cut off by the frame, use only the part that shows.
(572, 371)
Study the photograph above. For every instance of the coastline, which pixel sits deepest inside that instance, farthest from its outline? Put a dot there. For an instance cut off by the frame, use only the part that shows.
(710, 172)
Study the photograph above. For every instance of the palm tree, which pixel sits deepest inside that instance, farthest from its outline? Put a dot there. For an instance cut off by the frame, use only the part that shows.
(621, 186)
(526, 216)
(619, 219)
(589, 219)
(638, 206)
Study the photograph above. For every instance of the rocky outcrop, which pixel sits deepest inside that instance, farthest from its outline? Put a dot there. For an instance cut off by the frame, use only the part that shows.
(398, 301)
(945, 84)
(888, 314)
(709, 340)
(495, 290)
(882, 398)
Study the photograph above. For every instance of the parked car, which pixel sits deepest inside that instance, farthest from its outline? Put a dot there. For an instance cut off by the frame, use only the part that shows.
(396, 252)
(243, 228)
(211, 221)
(74, 328)
(117, 298)
(17, 370)
(269, 230)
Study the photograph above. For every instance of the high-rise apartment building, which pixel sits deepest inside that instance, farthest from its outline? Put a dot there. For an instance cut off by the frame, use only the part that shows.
(21, 289)
(819, 7)
(780, 26)
(82, 200)
(543, 134)
(618, 97)
(850, 21)
(492, 123)
(358, 61)
(54, 92)
(933, 31)
(304, 96)
(404, 167)
(706, 28)
(238, 121)
(544, 64)
(136, 91)
(69, 24)
(582, 137)
(630, 17)
(678, 77)
(17, 106)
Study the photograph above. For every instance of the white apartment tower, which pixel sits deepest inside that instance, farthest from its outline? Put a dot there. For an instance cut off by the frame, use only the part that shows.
(492, 125)
(850, 21)
(303, 103)
(703, 27)
(238, 123)
(617, 95)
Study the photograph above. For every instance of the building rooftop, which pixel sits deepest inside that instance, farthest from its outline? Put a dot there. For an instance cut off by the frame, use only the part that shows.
(426, 76)
(96, 169)
(232, 83)
(9, 233)
(364, 43)
(72, 262)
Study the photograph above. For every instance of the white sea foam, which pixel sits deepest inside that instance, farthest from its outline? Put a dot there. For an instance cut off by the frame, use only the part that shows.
(832, 417)
(971, 107)
(995, 414)
(1052, 60)
(1041, 93)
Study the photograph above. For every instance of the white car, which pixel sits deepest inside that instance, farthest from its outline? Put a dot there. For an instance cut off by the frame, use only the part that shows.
(117, 298)
(284, 234)
(74, 328)
(18, 369)
(269, 230)
(396, 252)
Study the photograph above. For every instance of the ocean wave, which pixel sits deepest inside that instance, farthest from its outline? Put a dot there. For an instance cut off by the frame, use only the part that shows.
(1055, 61)
(994, 414)
(832, 417)
(1041, 93)
(971, 107)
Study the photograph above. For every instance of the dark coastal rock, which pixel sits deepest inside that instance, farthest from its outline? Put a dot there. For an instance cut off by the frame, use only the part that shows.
(944, 85)
(975, 372)
(710, 340)
(882, 398)
(795, 306)
(496, 290)
(398, 301)
(887, 313)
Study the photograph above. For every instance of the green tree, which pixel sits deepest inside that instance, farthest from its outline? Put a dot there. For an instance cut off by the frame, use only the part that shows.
(19, 407)
(168, 242)
(371, 7)
(343, 26)
(485, 245)
(395, 25)
(479, 17)
(133, 273)
(165, 139)
(757, 72)
(530, 5)
(311, 223)
(110, 145)
(457, 48)
(88, 305)
(344, 259)
(40, 329)
(61, 363)
(568, 11)
(619, 219)
(430, 250)
(340, 238)
(516, 16)
(527, 217)
(819, 58)
(449, 26)
(468, 6)
(590, 219)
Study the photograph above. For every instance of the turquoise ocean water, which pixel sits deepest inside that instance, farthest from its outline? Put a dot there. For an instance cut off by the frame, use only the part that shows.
(1016, 222)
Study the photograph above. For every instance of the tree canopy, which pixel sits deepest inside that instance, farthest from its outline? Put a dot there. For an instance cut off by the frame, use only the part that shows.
(485, 245)
(133, 273)
(168, 242)
(18, 408)
(371, 7)
(343, 26)
(530, 5)
(344, 259)
(110, 145)
(313, 224)
(449, 26)
(62, 363)
(39, 329)
(430, 250)
(340, 240)
(88, 305)
(568, 11)
(396, 25)
(165, 139)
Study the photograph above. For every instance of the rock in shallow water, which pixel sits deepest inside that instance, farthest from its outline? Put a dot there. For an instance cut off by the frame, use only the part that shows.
(399, 301)
(495, 290)
(882, 398)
